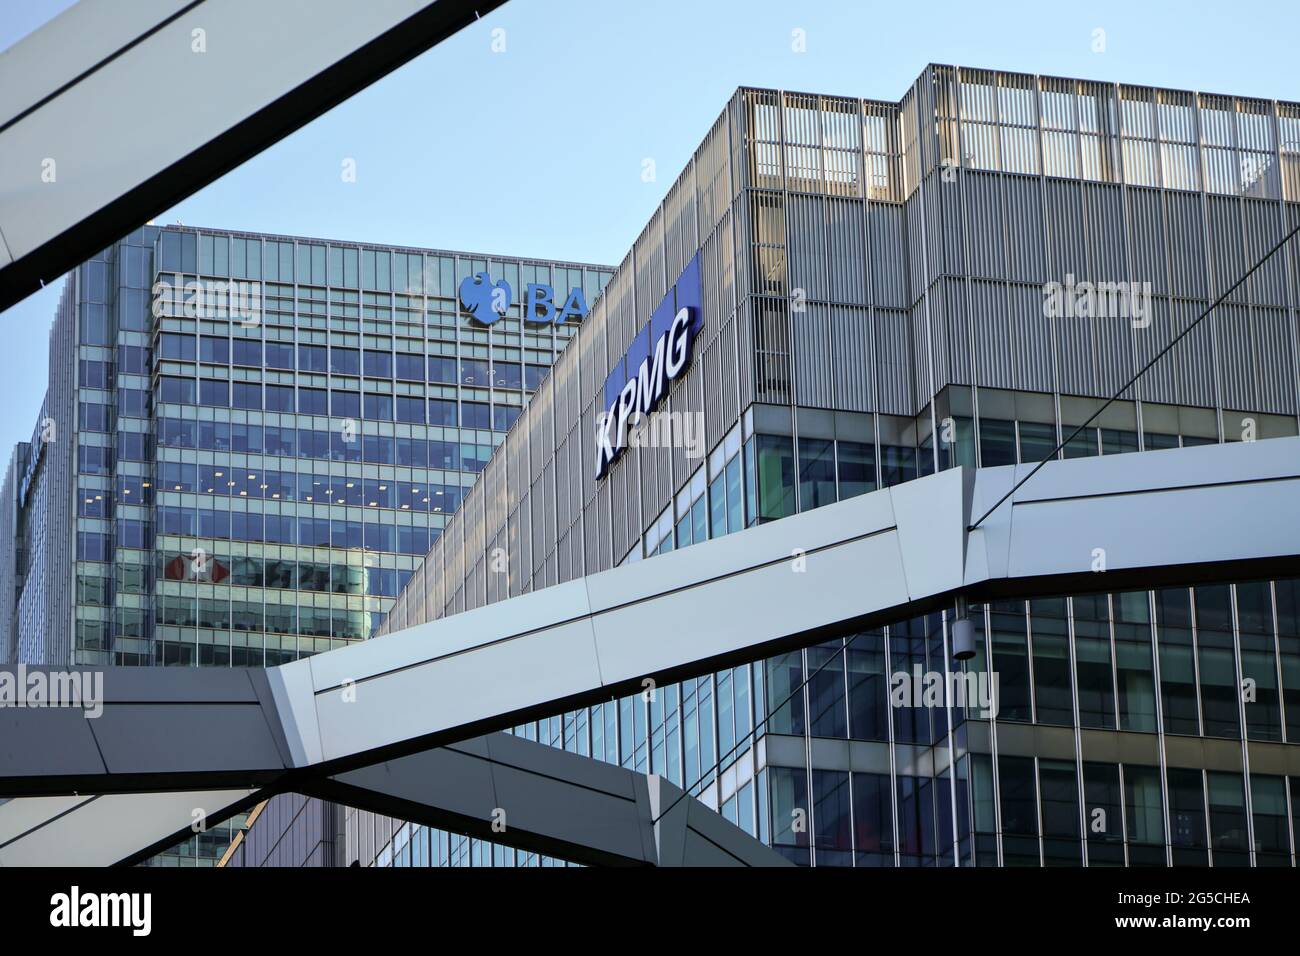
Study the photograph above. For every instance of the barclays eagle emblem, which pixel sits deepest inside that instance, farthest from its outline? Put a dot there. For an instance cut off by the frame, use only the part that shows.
(482, 299)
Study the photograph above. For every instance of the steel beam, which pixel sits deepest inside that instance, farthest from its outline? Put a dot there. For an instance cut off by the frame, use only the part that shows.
(1212, 513)
(113, 112)
(529, 796)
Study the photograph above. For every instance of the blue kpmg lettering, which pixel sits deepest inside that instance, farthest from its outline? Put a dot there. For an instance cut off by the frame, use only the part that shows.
(487, 301)
(658, 356)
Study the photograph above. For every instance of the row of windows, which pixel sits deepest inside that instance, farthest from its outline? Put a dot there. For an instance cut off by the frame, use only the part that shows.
(341, 403)
(307, 532)
(1091, 655)
(416, 496)
(284, 260)
(340, 444)
(1204, 819)
(373, 449)
(176, 647)
(317, 359)
(1225, 654)
(281, 574)
(220, 615)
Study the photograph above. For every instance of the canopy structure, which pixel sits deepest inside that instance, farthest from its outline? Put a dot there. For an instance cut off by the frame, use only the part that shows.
(113, 112)
(364, 724)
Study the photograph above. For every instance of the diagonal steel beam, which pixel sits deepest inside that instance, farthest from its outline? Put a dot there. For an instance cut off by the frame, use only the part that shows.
(83, 161)
(529, 796)
(1170, 517)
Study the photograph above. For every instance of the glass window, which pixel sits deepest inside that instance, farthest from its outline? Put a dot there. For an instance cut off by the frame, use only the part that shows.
(816, 473)
(873, 820)
(313, 358)
(735, 506)
(504, 416)
(785, 704)
(1011, 659)
(379, 407)
(868, 687)
(279, 355)
(410, 409)
(313, 401)
(247, 352)
(177, 347)
(1133, 663)
(279, 398)
(1053, 690)
(533, 375)
(1060, 806)
(1037, 441)
(907, 642)
(345, 404)
(826, 700)
(246, 395)
(1228, 833)
(442, 370)
(1082, 445)
(1219, 688)
(718, 507)
(378, 364)
(214, 350)
(897, 464)
(984, 810)
(1258, 661)
(997, 442)
(776, 485)
(1177, 664)
(475, 372)
(856, 462)
(1187, 817)
(1102, 816)
(916, 833)
(790, 816)
(1268, 806)
(1092, 655)
(345, 361)
(409, 368)
(507, 375)
(1288, 629)
(1144, 808)
(442, 411)
(214, 394)
(831, 818)
(475, 415)
(1019, 811)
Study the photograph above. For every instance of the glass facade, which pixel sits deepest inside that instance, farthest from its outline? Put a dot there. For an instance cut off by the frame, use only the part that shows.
(256, 476)
(875, 276)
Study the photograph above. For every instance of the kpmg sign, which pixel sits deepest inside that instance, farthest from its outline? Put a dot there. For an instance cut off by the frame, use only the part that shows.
(658, 355)
(487, 301)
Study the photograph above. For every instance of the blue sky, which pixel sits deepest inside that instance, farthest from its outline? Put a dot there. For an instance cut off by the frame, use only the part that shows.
(538, 151)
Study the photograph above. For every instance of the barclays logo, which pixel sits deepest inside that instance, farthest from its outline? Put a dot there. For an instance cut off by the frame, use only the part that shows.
(486, 301)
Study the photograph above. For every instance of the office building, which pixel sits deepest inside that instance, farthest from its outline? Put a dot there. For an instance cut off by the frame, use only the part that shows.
(249, 441)
(880, 287)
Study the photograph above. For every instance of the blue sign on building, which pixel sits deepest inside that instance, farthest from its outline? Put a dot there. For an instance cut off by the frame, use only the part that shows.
(659, 354)
(487, 301)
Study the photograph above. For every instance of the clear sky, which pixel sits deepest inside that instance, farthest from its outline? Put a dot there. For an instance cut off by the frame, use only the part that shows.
(539, 150)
